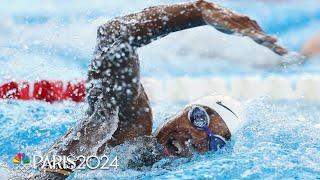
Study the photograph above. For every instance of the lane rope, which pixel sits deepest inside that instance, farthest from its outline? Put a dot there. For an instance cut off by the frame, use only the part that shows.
(175, 89)
(44, 90)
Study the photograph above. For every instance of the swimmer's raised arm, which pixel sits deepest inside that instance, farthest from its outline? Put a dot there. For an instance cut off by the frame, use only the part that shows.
(114, 72)
(141, 28)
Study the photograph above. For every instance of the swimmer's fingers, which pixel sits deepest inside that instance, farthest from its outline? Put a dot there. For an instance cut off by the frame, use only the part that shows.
(230, 22)
(269, 42)
(276, 48)
(245, 26)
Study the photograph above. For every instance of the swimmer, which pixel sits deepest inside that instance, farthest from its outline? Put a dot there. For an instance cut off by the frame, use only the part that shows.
(311, 48)
(119, 108)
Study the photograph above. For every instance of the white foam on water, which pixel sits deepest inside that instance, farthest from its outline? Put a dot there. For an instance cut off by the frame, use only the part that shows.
(4, 173)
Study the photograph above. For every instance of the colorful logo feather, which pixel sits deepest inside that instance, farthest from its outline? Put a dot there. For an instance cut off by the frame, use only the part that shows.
(21, 158)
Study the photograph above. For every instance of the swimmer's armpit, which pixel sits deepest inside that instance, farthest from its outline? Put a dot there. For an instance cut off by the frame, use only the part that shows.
(230, 22)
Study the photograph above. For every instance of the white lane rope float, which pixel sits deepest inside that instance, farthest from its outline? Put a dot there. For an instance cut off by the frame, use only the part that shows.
(177, 89)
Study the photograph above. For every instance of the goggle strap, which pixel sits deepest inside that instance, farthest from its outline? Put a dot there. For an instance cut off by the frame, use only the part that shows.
(208, 131)
(213, 144)
(212, 140)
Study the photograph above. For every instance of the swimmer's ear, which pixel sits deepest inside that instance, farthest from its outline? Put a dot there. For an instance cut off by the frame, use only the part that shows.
(230, 22)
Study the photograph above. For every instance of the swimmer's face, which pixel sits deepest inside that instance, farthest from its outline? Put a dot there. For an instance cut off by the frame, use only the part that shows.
(180, 138)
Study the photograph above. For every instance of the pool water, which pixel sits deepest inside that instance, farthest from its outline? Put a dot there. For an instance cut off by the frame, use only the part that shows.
(66, 32)
(280, 139)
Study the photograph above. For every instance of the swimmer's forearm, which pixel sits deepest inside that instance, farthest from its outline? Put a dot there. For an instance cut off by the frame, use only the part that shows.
(142, 28)
(155, 22)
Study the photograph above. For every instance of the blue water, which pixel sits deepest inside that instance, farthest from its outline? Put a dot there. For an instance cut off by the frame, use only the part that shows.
(280, 140)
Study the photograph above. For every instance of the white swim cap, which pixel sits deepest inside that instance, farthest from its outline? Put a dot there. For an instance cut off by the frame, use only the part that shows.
(230, 110)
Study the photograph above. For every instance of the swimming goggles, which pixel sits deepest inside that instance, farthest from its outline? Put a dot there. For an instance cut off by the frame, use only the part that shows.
(199, 117)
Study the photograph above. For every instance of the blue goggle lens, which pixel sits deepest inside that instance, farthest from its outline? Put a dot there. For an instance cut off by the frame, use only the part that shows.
(216, 143)
(199, 117)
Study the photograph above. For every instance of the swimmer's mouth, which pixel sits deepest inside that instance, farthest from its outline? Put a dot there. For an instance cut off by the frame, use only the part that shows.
(178, 148)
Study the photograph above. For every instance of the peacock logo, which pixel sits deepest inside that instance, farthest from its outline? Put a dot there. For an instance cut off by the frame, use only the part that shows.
(21, 158)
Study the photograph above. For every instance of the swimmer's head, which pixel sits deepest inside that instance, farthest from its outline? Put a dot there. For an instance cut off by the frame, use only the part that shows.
(202, 125)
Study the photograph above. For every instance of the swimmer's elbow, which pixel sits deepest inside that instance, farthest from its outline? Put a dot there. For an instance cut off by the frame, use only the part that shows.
(111, 30)
(101, 31)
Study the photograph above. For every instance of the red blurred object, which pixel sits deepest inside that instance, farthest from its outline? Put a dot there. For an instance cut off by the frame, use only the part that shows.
(49, 91)
(24, 91)
(44, 90)
(75, 92)
(10, 91)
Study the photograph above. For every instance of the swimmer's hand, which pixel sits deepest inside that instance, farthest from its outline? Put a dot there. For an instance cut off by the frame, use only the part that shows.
(230, 22)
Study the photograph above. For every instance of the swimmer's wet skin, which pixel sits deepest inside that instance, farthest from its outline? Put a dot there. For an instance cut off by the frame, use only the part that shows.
(119, 108)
